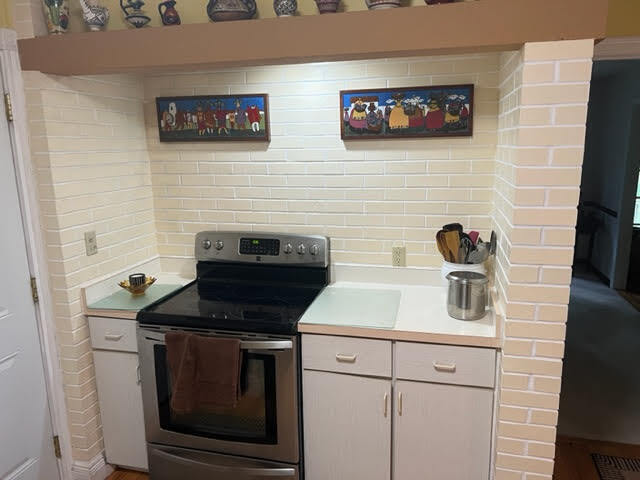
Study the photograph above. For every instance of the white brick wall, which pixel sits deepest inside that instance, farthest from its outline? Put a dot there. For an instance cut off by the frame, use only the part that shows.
(544, 90)
(89, 149)
(367, 196)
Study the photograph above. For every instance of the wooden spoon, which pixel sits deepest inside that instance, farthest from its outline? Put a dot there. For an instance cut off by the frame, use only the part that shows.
(452, 240)
(441, 244)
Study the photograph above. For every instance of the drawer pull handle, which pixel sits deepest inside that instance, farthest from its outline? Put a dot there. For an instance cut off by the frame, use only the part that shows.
(386, 402)
(442, 367)
(346, 358)
(113, 337)
(400, 403)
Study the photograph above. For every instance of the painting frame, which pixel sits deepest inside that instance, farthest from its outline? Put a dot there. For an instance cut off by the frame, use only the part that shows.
(172, 136)
(370, 92)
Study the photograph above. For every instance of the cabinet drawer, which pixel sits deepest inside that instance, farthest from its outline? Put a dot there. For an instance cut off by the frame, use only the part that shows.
(446, 364)
(113, 334)
(346, 355)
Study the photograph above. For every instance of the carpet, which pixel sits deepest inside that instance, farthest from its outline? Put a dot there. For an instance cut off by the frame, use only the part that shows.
(631, 297)
(617, 468)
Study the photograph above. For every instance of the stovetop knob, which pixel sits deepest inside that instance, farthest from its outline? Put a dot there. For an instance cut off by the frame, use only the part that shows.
(287, 248)
(206, 244)
(314, 249)
(219, 244)
(301, 249)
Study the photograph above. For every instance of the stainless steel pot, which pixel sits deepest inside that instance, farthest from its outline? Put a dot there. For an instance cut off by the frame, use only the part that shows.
(467, 298)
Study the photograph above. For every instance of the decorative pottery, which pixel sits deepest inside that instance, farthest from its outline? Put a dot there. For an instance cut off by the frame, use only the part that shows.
(136, 290)
(133, 13)
(225, 10)
(57, 14)
(95, 16)
(382, 4)
(327, 6)
(168, 13)
(285, 8)
(434, 2)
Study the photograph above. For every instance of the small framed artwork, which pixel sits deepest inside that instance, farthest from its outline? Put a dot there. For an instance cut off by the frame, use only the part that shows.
(213, 118)
(415, 112)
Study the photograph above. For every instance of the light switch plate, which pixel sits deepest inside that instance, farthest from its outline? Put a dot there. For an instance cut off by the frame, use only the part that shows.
(90, 243)
(399, 256)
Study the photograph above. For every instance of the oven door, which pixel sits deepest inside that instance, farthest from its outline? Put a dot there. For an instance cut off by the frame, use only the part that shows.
(264, 424)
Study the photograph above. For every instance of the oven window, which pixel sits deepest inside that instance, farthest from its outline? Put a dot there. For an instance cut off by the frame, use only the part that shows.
(253, 420)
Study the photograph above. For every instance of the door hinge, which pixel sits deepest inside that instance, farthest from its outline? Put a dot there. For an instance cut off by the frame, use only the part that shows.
(56, 446)
(34, 290)
(8, 107)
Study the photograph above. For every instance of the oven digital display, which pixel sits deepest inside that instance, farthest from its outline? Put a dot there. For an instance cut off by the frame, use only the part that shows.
(259, 246)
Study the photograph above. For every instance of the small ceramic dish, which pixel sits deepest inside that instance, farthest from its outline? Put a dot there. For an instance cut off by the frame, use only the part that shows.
(140, 289)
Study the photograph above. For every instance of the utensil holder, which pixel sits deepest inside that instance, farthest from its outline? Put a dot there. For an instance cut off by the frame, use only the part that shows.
(448, 267)
(467, 295)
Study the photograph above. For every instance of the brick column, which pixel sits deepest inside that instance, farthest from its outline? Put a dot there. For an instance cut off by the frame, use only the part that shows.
(544, 91)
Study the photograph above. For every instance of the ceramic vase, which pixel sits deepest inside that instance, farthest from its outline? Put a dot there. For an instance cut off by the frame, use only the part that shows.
(434, 2)
(327, 6)
(95, 16)
(133, 13)
(382, 4)
(225, 10)
(285, 8)
(56, 13)
(168, 13)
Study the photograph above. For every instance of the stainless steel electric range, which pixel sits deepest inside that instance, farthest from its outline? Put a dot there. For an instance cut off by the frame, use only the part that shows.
(253, 287)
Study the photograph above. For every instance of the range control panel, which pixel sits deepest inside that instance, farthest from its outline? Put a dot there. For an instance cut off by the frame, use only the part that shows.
(269, 248)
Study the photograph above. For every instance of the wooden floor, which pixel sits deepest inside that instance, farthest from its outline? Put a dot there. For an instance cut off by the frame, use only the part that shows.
(573, 459)
(128, 475)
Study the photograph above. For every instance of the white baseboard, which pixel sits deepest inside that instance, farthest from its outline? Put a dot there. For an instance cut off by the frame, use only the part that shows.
(95, 469)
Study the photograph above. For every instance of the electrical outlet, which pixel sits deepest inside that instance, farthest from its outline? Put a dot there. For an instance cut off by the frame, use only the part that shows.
(90, 243)
(399, 256)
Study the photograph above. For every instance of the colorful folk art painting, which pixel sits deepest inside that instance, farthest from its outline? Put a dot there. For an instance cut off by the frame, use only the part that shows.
(213, 118)
(439, 111)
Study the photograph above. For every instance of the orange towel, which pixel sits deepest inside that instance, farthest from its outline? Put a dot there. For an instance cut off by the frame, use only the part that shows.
(205, 372)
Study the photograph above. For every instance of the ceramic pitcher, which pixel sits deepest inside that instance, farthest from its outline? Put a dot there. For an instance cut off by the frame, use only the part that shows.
(57, 14)
(223, 10)
(168, 13)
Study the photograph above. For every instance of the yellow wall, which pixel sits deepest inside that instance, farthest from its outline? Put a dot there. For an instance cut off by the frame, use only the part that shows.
(6, 20)
(624, 18)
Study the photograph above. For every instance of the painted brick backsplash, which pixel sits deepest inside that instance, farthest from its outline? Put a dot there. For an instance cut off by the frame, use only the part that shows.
(367, 196)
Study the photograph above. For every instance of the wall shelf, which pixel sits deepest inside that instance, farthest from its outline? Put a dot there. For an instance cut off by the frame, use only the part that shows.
(465, 27)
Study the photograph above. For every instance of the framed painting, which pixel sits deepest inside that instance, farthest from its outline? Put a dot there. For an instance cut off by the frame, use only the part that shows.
(213, 118)
(414, 112)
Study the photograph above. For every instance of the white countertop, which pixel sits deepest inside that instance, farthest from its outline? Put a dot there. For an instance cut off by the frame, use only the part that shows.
(421, 316)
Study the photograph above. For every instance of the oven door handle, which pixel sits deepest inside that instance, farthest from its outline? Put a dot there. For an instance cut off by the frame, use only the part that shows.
(250, 472)
(158, 337)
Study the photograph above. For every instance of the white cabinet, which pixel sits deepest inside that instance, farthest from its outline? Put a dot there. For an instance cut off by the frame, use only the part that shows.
(441, 432)
(119, 392)
(347, 424)
(440, 409)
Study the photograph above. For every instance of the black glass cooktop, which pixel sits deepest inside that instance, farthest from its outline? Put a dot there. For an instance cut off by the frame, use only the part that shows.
(230, 306)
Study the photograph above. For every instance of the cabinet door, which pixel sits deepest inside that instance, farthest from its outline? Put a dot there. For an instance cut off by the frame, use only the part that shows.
(347, 427)
(120, 400)
(442, 432)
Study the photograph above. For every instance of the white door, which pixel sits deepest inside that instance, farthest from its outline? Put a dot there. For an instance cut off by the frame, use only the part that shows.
(442, 432)
(347, 427)
(26, 445)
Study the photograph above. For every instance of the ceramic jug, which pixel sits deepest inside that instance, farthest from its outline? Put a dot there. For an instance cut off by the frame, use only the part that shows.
(223, 10)
(57, 14)
(168, 13)
(95, 16)
(133, 13)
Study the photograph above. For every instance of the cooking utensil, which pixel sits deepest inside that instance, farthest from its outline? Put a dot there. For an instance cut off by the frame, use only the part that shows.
(452, 242)
(480, 254)
(474, 236)
(441, 244)
(453, 227)
(467, 295)
(466, 247)
(493, 243)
